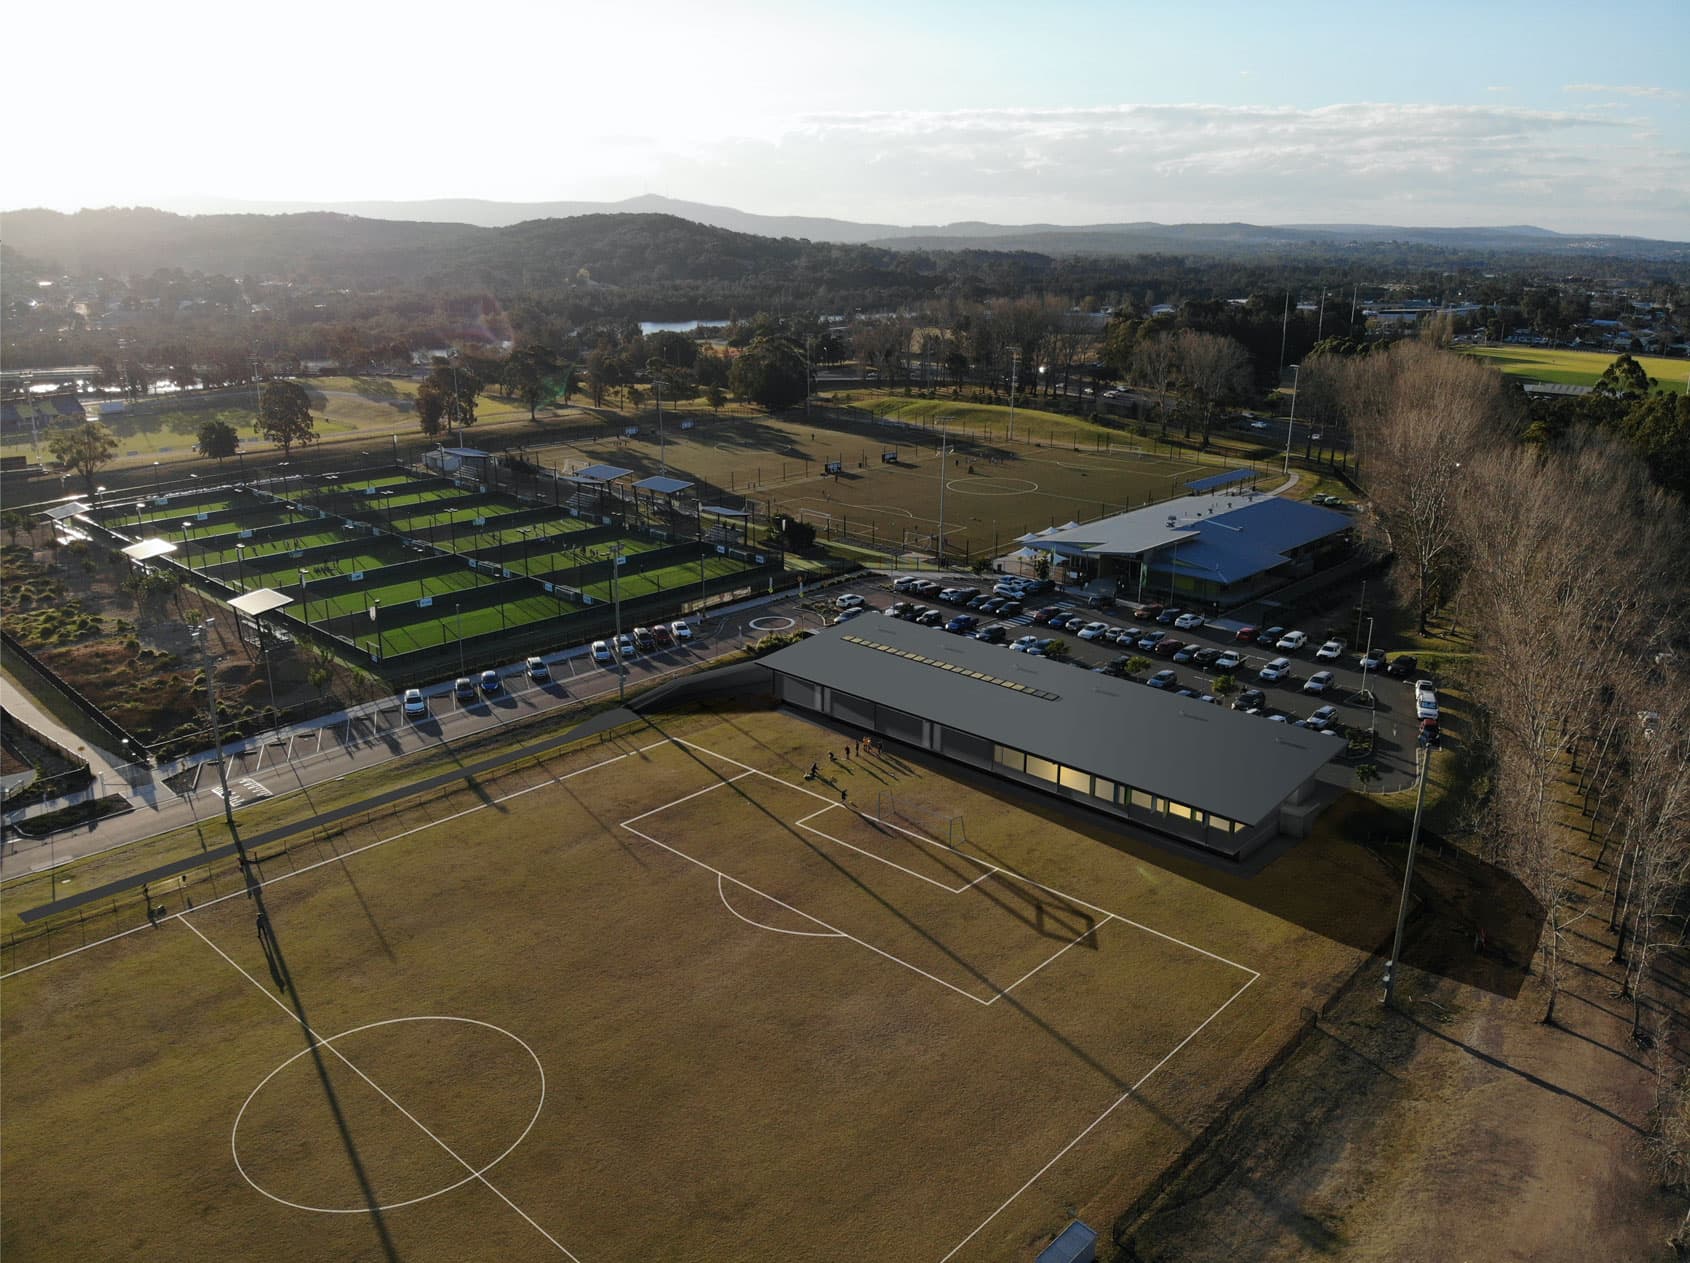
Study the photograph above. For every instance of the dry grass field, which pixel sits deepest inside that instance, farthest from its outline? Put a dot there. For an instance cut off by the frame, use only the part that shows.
(661, 996)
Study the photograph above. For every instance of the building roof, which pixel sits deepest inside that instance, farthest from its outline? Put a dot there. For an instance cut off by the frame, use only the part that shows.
(1235, 765)
(600, 473)
(663, 485)
(1215, 481)
(260, 601)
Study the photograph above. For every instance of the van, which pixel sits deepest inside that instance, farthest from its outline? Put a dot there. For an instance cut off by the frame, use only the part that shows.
(1100, 601)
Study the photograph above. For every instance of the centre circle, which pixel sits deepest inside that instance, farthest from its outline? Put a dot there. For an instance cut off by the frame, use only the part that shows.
(991, 486)
(422, 1102)
(772, 623)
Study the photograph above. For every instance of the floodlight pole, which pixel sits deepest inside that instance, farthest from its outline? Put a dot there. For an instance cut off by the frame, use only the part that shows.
(1291, 425)
(1407, 878)
(616, 605)
(939, 549)
(201, 634)
(1372, 705)
(1014, 363)
(305, 594)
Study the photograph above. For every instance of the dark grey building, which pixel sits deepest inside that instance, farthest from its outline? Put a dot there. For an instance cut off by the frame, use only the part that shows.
(1225, 781)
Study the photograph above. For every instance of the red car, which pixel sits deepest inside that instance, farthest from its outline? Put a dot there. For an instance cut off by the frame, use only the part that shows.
(1245, 635)
(1167, 647)
(1144, 613)
(1049, 612)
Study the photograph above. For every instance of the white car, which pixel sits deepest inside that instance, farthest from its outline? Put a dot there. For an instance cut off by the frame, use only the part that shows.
(680, 631)
(1278, 669)
(1292, 641)
(1230, 660)
(1425, 700)
(1319, 682)
(601, 651)
(850, 601)
(904, 583)
(1323, 718)
(1331, 651)
(415, 706)
(1022, 644)
(626, 647)
(1189, 622)
(1091, 631)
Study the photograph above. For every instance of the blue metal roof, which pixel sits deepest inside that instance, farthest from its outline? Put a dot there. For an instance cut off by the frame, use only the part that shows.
(1214, 481)
(1232, 546)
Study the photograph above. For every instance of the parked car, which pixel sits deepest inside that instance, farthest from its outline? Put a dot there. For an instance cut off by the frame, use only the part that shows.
(538, 670)
(1185, 653)
(1250, 699)
(1151, 639)
(1009, 587)
(905, 583)
(991, 605)
(924, 587)
(962, 623)
(845, 616)
(1189, 622)
(847, 601)
(463, 688)
(1278, 669)
(1429, 735)
(1246, 635)
(1206, 657)
(625, 646)
(1009, 609)
(1372, 660)
(1319, 682)
(1035, 587)
(1229, 660)
(1402, 666)
(661, 634)
(979, 602)
(1022, 644)
(1167, 648)
(1425, 699)
(1116, 666)
(1291, 641)
(1323, 717)
(900, 609)
(601, 652)
(993, 635)
(1124, 636)
(930, 617)
(1147, 612)
(645, 642)
(490, 683)
(680, 630)
(415, 705)
(1099, 601)
(1047, 613)
(1092, 631)
(1331, 651)
(1270, 637)
(1168, 616)
(1163, 679)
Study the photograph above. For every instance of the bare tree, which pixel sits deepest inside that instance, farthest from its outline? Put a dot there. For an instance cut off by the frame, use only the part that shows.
(1214, 369)
(1153, 366)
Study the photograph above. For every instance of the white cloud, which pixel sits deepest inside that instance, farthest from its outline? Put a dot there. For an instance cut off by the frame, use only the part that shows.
(1371, 162)
(1629, 89)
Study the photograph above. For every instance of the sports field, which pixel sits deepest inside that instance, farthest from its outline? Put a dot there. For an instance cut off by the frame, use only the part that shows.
(660, 996)
(1577, 368)
(994, 489)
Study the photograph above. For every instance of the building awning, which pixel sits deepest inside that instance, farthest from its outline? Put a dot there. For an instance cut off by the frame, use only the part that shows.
(147, 549)
(661, 485)
(600, 473)
(260, 601)
(466, 453)
(721, 510)
(63, 511)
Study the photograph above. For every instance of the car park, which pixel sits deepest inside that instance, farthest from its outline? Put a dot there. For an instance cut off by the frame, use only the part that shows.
(601, 651)
(1246, 635)
(1402, 666)
(1270, 637)
(490, 683)
(1278, 669)
(1229, 660)
(904, 583)
(1093, 631)
(1147, 612)
(463, 688)
(1206, 657)
(1372, 660)
(415, 705)
(1331, 651)
(1169, 616)
(1189, 622)
(1425, 699)
(538, 670)
(1319, 682)
(1163, 679)
(680, 630)
(1291, 641)
(1250, 699)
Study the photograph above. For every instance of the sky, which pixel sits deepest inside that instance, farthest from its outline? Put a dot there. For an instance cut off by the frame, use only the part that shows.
(1568, 116)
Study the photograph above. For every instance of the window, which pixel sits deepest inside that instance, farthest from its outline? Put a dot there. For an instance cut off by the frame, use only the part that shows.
(1220, 824)
(1143, 800)
(1076, 780)
(1044, 769)
(1104, 789)
(1009, 758)
(1181, 810)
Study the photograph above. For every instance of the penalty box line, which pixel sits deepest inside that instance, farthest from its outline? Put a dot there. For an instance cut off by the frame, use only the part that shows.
(317, 1041)
(1060, 894)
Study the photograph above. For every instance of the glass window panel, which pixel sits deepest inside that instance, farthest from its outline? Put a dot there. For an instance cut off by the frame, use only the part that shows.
(1010, 758)
(1144, 800)
(1072, 778)
(1044, 769)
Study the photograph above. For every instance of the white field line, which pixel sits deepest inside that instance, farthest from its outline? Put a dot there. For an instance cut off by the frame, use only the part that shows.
(1090, 1127)
(910, 872)
(422, 1127)
(773, 929)
(344, 855)
(1035, 969)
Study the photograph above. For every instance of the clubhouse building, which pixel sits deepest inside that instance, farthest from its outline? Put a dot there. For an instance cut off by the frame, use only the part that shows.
(1214, 550)
(1215, 778)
